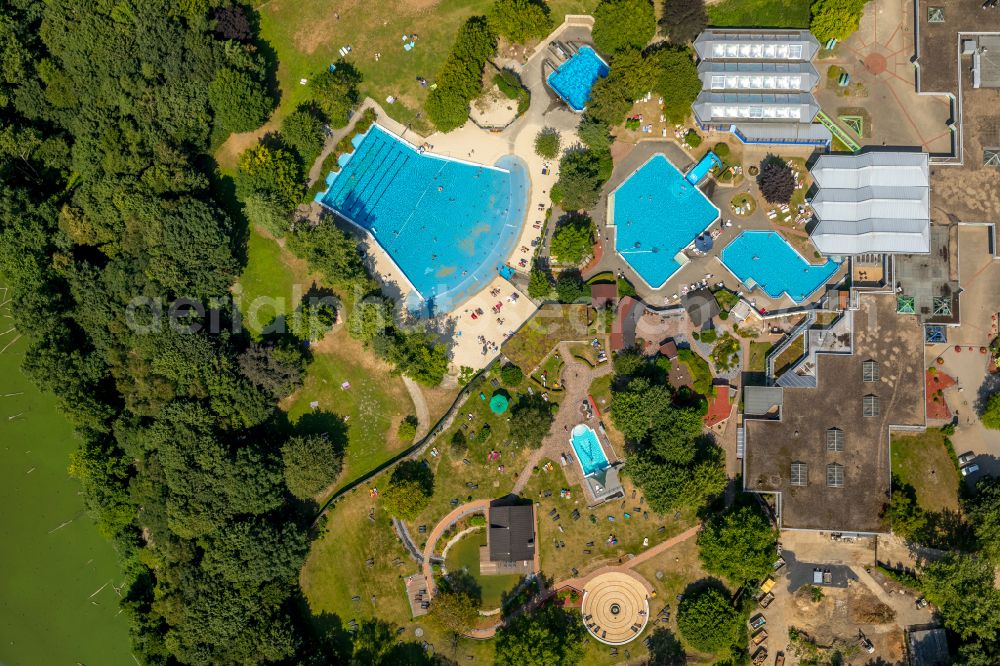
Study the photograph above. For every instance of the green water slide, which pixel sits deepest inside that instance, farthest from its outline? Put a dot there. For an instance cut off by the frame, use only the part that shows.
(838, 132)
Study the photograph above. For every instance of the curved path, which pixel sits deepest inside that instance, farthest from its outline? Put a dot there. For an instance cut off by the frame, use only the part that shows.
(419, 406)
(459, 512)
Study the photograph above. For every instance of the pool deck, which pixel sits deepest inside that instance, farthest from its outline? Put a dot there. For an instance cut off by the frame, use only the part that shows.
(474, 144)
(630, 157)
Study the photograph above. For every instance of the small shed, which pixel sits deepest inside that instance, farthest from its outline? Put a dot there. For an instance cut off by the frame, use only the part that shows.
(604, 295)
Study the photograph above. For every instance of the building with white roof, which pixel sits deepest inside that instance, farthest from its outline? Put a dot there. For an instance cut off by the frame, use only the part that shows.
(757, 84)
(875, 202)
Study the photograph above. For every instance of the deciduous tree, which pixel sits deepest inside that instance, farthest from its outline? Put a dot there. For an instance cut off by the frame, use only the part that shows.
(311, 463)
(519, 20)
(707, 620)
(239, 102)
(738, 545)
(409, 490)
(623, 24)
(573, 238)
(336, 92)
(683, 20)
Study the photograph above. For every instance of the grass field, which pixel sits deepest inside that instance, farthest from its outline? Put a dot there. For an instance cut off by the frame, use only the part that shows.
(464, 554)
(307, 34)
(551, 325)
(760, 13)
(593, 526)
(758, 356)
(923, 461)
(52, 556)
(336, 571)
(376, 401)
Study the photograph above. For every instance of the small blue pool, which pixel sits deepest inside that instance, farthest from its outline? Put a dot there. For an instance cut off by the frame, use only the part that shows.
(447, 224)
(701, 169)
(575, 77)
(657, 213)
(588, 450)
(764, 259)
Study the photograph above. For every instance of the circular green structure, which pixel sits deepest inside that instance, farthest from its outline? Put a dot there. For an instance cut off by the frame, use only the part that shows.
(499, 403)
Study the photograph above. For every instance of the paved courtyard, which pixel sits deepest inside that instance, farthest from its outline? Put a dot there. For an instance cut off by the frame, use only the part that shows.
(883, 83)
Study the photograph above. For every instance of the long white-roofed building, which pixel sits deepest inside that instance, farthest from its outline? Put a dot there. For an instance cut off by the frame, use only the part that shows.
(869, 203)
(757, 84)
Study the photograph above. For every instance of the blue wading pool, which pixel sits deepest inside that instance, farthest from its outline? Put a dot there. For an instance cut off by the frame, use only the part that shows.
(575, 77)
(701, 169)
(447, 224)
(657, 213)
(764, 259)
(588, 450)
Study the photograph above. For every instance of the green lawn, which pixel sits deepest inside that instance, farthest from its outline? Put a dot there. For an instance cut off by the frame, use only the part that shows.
(760, 13)
(758, 356)
(549, 326)
(53, 559)
(464, 554)
(306, 36)
(787, 358)
(922, 460)
(273, 283)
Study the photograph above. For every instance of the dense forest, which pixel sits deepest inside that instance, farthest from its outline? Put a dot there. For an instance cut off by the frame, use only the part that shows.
(111, 211)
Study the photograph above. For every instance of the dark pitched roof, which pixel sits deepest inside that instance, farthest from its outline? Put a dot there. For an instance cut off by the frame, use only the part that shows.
(512, 533)
(669, 348)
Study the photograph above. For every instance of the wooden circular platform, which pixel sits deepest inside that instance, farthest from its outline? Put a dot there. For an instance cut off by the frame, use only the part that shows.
(615, 608)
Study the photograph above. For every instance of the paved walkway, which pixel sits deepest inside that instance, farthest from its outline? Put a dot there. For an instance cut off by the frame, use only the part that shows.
(478, 506)
(576, 379)
(420, 406)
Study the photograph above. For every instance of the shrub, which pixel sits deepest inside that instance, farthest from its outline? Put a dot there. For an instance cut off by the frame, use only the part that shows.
(459, 444)
(722, 150)
(547, 143)
(991, 413)
(407, 429)
(776, 182)
(626, 288)
(835, 19)
(692, 139)
(511, 375)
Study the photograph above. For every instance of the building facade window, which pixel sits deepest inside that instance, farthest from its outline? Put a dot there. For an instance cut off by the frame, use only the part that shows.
(800, 474)
(870, 371)
(835, 440)
(871, 405)
(835, 475)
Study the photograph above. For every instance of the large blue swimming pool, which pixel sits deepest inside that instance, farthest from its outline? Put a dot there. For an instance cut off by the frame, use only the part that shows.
(588, 450)
(764, 259)
(447, 224)
(657, 213)
(575, 77)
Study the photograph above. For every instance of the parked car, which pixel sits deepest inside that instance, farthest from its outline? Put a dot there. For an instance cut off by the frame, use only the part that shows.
(966, 457)
(921, 603)
(970, 469)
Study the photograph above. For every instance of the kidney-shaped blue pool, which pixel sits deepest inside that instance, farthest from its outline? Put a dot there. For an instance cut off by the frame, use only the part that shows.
(575, 77)
(446, 223)
(657, 213)
(764, 259)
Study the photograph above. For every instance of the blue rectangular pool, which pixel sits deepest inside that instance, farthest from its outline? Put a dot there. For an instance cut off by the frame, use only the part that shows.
(657, 213)
(764, 259)
(701, 169)
(447, 224)
(588, 450)
(575, 77)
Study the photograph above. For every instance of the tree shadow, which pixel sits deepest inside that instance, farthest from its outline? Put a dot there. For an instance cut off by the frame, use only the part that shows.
(415, 471)
(665, 649)
(462, 582)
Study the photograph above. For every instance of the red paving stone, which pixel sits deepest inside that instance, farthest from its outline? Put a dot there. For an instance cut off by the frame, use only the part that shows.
(720, 408)
(937, 382)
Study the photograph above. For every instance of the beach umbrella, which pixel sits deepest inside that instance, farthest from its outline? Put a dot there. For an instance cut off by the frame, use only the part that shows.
(498, 403)
(703, 243)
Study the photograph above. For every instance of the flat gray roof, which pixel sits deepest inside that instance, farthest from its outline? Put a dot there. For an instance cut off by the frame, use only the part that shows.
(762, 400)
